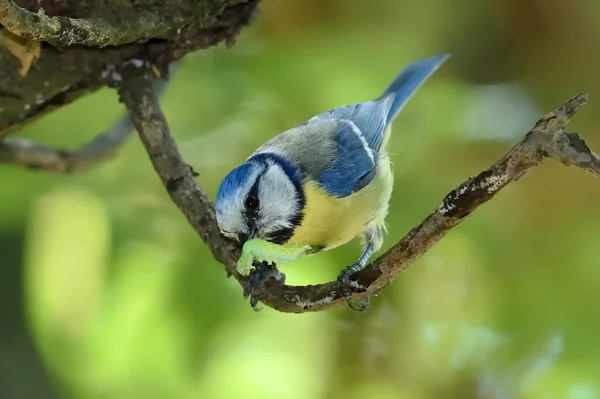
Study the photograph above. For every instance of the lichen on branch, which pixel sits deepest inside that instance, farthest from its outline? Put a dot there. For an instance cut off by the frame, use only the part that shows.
(61, 31)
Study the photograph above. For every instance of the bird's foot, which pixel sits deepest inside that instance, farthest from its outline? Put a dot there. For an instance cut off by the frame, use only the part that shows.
(345, 286)
(261, 272)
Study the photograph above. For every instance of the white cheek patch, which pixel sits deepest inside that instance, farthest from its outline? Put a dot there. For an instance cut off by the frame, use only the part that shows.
(231, 219)
(278, 199)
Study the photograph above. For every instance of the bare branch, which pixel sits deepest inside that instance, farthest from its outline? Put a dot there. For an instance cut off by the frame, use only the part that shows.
(27, 153)
(547, 139)
(62, 31)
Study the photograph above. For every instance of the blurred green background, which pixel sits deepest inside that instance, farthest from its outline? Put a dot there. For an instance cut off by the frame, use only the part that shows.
(106, 292)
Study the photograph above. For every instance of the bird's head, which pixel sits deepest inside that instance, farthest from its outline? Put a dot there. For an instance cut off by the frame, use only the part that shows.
(262, 198)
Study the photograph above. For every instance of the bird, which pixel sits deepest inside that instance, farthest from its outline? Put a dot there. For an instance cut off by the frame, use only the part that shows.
(325, 181)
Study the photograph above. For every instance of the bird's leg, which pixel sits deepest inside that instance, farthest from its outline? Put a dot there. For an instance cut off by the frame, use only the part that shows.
(345, 285)
(373, 239)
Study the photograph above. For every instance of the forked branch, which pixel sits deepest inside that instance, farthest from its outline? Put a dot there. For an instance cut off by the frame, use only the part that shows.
(547, 139)
(28, 153)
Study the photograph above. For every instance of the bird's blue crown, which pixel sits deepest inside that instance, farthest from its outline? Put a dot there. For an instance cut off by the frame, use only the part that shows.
(234, 180)
(240, 176)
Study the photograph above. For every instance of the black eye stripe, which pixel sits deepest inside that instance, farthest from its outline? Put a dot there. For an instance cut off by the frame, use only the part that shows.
(252, 212)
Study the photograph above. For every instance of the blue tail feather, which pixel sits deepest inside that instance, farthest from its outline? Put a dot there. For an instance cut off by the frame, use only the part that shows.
(409, 80)
(373, 117)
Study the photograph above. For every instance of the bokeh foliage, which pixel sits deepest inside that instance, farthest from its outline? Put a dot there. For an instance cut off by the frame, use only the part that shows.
(123, 301)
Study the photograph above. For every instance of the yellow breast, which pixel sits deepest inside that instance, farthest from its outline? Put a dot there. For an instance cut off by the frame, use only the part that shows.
(331, 222)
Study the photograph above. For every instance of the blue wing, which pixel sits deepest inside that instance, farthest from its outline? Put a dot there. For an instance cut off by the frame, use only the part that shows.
(354, 165)
(373, 117)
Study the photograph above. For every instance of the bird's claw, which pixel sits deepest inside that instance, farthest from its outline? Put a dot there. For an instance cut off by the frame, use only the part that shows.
(254, 304)
(345, 288)
(261, 272)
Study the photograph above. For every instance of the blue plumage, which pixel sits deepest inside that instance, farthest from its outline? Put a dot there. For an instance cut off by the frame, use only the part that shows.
(373, 117)
(232, 183)
(354, 165)
(408, 81)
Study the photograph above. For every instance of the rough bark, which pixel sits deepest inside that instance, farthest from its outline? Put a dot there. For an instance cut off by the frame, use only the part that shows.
(547, 139)
(61, 75)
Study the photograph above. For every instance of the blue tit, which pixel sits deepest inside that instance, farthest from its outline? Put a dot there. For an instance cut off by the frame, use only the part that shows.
(324, 182)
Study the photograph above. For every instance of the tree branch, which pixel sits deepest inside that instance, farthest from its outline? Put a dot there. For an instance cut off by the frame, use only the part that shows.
(60, 76)
(62, 31)
(547, 139)
(176, 175)
(34, 155)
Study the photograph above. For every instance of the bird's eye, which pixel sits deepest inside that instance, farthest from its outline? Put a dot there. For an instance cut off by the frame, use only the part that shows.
(251, 202)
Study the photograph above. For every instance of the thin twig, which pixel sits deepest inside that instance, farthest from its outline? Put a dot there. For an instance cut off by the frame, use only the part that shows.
(62, 31)
(23, 152)
(547, 139)
(34, 155)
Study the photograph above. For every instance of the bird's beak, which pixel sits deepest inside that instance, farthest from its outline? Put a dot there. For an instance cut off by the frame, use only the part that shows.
(242, 238)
